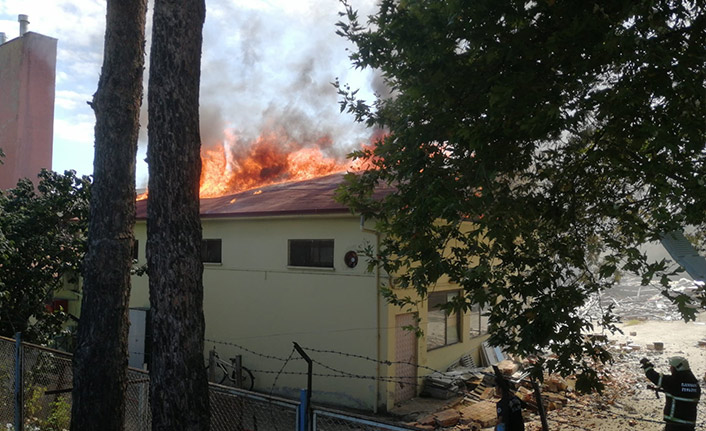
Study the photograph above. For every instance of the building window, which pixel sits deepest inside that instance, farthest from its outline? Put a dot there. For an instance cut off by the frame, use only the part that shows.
(317, 253)
(442, 328)
(211, 250)
(479, 321)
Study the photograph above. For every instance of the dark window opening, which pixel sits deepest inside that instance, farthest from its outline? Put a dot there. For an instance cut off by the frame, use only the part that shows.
(211, 251)
(316, 253)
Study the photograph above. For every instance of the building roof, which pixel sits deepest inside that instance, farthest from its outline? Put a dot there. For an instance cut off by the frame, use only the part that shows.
(313, 196)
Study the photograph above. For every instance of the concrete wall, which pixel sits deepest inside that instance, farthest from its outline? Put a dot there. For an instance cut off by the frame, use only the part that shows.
(27, 79)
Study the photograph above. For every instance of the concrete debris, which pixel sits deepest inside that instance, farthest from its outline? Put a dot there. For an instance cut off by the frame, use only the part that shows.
(450, 383)
(475, 409)
(631, 301)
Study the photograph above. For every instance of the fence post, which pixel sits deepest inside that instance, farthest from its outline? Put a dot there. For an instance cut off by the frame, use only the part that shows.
(303, 410)
(308, 385)
(19, 384)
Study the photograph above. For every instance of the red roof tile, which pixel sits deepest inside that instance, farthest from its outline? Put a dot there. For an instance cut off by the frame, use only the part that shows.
(314, 196)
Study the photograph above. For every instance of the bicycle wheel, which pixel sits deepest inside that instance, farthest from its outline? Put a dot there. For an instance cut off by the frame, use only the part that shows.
(248, 380)
(219, 376)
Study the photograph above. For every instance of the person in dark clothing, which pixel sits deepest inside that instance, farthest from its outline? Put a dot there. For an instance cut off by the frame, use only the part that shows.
(681, 390)
(509, 409)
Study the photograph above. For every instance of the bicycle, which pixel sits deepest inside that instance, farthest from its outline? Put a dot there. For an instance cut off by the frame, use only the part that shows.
(228, 373)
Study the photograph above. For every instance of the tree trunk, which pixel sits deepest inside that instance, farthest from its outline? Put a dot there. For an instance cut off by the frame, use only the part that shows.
(100, 359)
(179, 389)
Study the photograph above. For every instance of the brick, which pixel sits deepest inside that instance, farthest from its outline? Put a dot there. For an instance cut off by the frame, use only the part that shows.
(483, 413)
(447, 418)
(507, 367)
(555, 384)
(427, 420)
(487, 393)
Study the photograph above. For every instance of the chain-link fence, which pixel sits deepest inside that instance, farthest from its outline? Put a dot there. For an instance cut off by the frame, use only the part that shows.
(332, 420)
(236, 409)
(7, 382)
(46, 389)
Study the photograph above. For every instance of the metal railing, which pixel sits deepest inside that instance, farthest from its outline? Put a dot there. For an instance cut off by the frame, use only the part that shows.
(333, 420)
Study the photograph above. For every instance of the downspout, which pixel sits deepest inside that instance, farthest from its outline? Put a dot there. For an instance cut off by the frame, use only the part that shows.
(378, 347)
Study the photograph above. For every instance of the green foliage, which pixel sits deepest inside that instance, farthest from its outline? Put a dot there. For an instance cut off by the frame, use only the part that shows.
(44, 415)
(42, 243)
(546, 140)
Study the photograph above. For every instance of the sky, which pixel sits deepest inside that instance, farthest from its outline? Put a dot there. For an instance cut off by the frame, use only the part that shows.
(266, 64)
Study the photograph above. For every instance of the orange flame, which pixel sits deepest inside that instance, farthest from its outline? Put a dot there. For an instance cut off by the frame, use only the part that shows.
(269, 159)
(238, 165)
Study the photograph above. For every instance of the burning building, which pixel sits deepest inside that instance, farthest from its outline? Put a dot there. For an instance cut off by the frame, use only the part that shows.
(282, 265)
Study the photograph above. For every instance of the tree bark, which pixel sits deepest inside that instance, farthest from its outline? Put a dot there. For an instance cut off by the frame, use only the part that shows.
(179, 388)
(100, 360)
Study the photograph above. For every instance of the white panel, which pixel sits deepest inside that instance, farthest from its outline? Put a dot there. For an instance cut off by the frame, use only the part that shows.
(136, 338)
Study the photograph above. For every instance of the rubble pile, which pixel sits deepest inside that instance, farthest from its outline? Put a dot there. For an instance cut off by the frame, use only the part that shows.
(631, 301)
(473, 406)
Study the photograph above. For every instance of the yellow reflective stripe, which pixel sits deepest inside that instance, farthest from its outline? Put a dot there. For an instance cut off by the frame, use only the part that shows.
(686, 400)
(659, 382)
(649, 368)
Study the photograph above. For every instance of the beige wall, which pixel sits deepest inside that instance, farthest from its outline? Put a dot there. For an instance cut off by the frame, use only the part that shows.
(254, 300)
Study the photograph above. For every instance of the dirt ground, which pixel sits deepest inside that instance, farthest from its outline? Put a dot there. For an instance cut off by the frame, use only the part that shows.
(626, 403)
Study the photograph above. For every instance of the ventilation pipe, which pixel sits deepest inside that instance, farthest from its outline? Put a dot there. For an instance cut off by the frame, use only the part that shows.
(3, 38)
(24, 24)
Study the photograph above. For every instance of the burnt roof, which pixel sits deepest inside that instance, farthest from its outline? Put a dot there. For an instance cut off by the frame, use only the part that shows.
(313, 196)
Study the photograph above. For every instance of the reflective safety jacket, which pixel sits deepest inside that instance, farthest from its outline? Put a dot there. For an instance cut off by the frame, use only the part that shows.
(682, 392)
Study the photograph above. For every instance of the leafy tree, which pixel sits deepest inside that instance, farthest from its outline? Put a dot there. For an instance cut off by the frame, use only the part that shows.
(178, 385)
(100, 360)
(534, 146)
(42, 244)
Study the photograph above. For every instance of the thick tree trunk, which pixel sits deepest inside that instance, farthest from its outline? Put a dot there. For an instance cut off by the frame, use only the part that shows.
(179, 389)
(100, 360)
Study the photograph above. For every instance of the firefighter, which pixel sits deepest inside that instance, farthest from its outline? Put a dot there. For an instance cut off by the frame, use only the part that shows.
(681, 390)
(509, 407)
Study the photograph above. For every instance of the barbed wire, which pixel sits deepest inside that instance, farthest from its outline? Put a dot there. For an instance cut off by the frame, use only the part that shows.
(261, 355)
(281, 370)
(325, 351)
(353, 355)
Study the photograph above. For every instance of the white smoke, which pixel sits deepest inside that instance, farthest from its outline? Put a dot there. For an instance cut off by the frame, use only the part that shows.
(266, 64)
